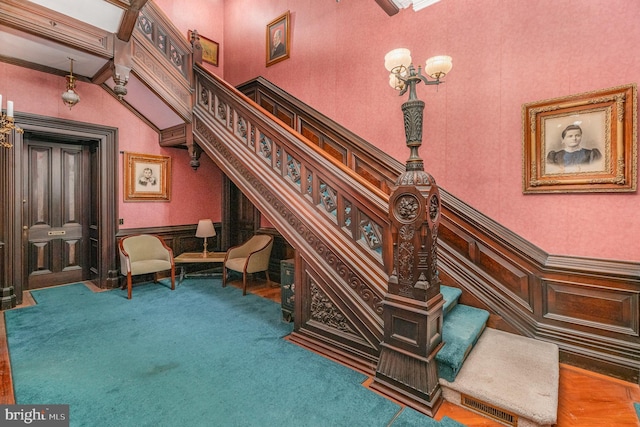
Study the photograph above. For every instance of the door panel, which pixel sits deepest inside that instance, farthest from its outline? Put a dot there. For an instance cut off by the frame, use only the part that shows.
(55, 195)
(245, 218)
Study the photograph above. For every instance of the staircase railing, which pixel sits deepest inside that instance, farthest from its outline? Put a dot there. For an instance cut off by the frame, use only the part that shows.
(336, 221)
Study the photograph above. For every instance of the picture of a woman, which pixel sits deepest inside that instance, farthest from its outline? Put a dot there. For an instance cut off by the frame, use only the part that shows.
(573, 153)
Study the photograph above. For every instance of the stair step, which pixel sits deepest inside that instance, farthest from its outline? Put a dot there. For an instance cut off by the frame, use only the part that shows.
(450, 296)
(460, 331)
(511, 375)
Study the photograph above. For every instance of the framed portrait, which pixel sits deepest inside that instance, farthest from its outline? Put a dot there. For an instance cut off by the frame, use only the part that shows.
(147, 177)
(210, 49)
(581, 143)
(278, 39)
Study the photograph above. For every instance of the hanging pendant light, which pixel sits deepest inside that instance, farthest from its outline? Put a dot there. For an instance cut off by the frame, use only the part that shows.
(70, 97)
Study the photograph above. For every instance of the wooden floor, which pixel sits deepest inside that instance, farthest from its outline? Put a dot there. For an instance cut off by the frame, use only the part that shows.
(586, 399)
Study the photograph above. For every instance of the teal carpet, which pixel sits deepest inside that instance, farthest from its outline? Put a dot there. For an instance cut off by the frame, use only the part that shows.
(460, 332)
(201, 355)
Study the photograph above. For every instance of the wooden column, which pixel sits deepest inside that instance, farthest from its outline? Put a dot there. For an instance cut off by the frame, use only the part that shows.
(7, 291)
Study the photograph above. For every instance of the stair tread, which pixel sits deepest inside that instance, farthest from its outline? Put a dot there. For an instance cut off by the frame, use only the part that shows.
(460, 331)
(462, 327)
(499, 372)
(450, 295)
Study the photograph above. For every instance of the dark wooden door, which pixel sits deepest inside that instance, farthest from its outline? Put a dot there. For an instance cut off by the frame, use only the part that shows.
(244, 218)
(55, 223)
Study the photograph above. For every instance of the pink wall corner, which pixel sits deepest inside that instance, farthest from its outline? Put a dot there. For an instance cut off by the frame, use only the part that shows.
(505, 54)
(38, 93)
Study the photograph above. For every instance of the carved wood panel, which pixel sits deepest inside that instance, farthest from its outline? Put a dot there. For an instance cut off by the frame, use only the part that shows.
(581, 304)
(327, 310)
(509, 275)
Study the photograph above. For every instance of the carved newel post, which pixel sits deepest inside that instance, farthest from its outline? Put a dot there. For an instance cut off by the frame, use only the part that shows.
(413, 304)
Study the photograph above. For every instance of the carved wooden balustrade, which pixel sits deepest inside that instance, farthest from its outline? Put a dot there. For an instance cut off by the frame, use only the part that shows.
(336, 221)
(162, 58)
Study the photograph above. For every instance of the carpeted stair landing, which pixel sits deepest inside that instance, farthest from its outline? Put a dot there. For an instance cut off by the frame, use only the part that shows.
(507, 377)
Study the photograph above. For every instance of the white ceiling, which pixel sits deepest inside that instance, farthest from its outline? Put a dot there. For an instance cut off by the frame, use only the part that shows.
(98, 13)
(24, 48)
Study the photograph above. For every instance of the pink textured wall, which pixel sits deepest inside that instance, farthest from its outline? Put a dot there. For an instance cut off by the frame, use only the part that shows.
(505, 54)
(205, 16)
(195, 194)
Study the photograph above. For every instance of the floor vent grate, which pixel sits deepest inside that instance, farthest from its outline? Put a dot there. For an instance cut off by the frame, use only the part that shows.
(489, 410)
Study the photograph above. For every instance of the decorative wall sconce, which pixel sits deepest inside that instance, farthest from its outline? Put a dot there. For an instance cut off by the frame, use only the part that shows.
(7, 125)
(405, 77)
(70, 97)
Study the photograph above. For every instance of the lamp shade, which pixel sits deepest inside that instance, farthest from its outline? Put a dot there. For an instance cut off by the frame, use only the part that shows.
(437, 66)
(395, 82)
(205, 228)
(70, 98)
(396, 58)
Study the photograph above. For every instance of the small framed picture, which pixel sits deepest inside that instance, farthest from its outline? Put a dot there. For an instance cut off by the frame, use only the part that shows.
(581, 143)
(210, 49)
(278, 39)
(147, 177)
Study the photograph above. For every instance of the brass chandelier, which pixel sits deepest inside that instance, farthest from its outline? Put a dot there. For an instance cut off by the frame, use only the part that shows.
(70, 97)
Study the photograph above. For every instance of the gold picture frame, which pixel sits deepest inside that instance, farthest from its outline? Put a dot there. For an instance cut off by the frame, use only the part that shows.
(147, 178)
(210, 49)
(581, 143)
(278, 39)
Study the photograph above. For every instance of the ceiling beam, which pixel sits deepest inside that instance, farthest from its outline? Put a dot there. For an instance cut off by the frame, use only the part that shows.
(129, 19)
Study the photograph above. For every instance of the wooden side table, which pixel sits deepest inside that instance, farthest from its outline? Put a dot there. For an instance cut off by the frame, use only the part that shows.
(196, 258)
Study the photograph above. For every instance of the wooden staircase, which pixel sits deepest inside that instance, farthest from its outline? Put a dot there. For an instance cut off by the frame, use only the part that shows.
(327, 193)
(336, 222)
(587, 307)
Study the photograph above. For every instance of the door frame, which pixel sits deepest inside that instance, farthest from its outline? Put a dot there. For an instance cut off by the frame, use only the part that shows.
(106, 139)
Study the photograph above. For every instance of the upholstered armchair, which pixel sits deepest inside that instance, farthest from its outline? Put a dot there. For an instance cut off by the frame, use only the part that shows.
(144, 254)
(248, 258)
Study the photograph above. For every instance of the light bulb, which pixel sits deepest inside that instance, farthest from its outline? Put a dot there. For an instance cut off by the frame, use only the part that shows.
(400, 57)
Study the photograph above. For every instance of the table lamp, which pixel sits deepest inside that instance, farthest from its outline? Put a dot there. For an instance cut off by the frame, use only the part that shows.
(205, 229)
